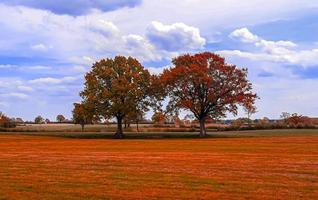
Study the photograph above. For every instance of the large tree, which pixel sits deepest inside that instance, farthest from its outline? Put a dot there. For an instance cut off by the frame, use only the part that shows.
(117, 87)
(207, 86)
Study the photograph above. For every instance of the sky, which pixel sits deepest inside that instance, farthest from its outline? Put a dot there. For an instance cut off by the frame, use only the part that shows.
(47, 46)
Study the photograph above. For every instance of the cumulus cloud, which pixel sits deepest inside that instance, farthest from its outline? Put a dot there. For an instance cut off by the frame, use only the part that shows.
(175, 37)
(79, 40)
(15, 95)
(273, 51)
(50, 80)
(244, 35)
(138, 45)
(74, 7)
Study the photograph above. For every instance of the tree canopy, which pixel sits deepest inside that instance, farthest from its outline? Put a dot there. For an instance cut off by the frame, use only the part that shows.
(116, 87)
(60, 118)
(207, 86)
(83, 114)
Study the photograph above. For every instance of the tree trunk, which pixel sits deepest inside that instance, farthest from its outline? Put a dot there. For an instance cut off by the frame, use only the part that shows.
(202, 128)
(82, 127)
(137, 122)
(249, 119)
(119, 133)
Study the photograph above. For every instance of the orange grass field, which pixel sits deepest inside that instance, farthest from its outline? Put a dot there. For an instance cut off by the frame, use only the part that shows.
(270, 165)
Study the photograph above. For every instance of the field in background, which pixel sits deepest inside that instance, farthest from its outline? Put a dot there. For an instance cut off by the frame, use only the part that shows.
(111, 128)
(233, 165)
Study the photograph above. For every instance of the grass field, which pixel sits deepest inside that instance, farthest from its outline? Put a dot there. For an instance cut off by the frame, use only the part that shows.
(233, 165)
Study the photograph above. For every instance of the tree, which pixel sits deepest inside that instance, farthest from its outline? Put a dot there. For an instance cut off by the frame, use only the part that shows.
(60, 118)
(83, 114)
(296, 119)
(39, 120)
(206, 86)
(285, 116)
(135, 115)
(158, 118)
(117, 87)
(19, 120)
(6, 122)
(249, 110)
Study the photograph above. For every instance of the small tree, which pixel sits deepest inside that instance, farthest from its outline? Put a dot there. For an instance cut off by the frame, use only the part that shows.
(116, 87)
(39, 120)
(249, 109)
(135, 115)
(19, 120)
(6, 122)
(60, 118)
(206, 86)
(284, 116)
(83, 114)
(158, 118)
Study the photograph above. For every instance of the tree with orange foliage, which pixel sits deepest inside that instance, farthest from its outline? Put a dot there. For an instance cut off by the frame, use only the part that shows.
(296, 119)
(6, 122)
(83, 114)
(207, 86)
(117, 87)
(158, 118)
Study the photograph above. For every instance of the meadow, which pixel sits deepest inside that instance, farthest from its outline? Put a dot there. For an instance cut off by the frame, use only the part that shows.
(272, 164)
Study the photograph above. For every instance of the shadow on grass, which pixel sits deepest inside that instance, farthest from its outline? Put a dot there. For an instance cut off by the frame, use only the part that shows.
(171, 135)
(129, 135)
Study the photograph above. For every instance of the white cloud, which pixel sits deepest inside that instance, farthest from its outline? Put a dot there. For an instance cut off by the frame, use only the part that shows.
(80, 69)
(244, 35)
(141, 48)
(157, 70)
(40, 47)
(16, 95)
(38, 67)
(25, 88)
(175, 37)
(50, 80)
(6, 66)
(79, 40)
(272, 51)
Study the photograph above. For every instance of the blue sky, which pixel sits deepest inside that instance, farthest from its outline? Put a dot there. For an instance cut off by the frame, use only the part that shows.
(47, 46)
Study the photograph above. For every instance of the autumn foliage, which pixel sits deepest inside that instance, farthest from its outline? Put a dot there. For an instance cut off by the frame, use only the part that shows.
(158, 118)
(207, 86)
(6, 122)
(203, 84)
(83, 114)
(296, 119)
(117, 88)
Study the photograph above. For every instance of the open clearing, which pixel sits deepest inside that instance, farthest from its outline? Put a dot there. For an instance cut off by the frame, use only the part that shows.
(246, 165)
